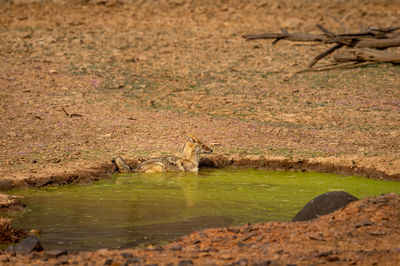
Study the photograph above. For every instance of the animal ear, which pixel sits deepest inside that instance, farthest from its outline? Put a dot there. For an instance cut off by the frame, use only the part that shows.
(192, 139)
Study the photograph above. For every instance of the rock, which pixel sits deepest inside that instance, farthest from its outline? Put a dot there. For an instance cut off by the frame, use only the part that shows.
(324, 204)
(185, 262)
(126, 255)
(108, 262)
(176, 248)
(132, 261)
(27, 245)
(55, 253)
(364, 223)
(35, 232)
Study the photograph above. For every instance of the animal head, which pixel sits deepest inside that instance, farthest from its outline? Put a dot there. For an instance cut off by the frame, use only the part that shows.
(198, 146)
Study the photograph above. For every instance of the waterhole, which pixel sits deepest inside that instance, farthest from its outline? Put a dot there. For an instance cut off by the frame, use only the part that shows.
(131, 210)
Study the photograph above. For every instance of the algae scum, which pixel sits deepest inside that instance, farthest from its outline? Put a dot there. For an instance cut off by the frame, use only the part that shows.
(132, 210)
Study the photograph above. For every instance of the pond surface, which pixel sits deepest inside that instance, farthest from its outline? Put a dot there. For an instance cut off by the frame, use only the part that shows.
(136, 209)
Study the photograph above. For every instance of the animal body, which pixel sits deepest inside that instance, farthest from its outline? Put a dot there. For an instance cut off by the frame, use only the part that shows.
(187, 161)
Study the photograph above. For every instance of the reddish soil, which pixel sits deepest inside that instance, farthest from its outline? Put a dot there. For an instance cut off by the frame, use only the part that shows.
(84, 81)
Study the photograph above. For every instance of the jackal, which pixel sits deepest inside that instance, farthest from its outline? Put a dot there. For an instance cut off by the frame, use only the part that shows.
(188, 160)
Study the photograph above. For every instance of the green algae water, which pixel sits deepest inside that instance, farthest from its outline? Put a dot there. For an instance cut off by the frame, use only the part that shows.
(136, 209)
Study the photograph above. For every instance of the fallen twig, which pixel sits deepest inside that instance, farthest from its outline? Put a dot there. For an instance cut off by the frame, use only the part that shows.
(346, 65)
(322, 55)
(70, 115)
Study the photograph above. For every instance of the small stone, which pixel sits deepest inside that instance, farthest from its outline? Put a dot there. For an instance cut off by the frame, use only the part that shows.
(217, 239)
(364, 223)
(318, 237)
(53, 71)
(233, 230)
(64, 260)
(381, 233)
(108, 262)
(132, 261)
(325, 253)
(126, 255)
(176, 248)
(185, 262)
(247, 237)
(263, 263)
(55, 253)
(241, 262)
(34, 232)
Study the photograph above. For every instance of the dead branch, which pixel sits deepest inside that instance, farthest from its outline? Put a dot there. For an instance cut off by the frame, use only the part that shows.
(322, 55)
(371, 38)
(366, 47)
(66, 113)
(287, 36)
(378, 43)
(368, 55)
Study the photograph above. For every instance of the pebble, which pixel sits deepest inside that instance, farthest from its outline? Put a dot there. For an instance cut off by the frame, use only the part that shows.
(176, 248)
(185, 262)
(132, 261)
(247, 237)
(364, 223)
(234, 230)
(126, 255)
(108, 262)
(55, 253)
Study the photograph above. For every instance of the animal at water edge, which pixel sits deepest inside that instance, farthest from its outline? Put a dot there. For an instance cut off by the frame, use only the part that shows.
(188, 161)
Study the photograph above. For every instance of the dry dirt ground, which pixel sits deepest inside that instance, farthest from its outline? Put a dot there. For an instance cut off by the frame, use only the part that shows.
(84, 81)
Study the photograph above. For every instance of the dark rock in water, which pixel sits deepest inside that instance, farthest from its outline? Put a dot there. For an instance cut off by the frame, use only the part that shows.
(324, 204)
(27, 245)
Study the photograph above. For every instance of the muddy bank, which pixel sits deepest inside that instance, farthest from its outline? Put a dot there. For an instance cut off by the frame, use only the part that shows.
(363, 233)
(106, 169)
(8, 234)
